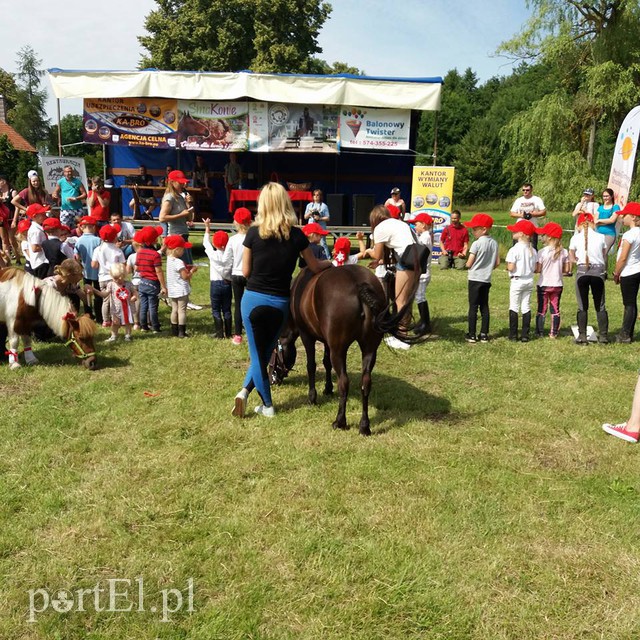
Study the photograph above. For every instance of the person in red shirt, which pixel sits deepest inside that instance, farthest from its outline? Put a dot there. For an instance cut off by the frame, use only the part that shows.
(98, 202)
(454, 243)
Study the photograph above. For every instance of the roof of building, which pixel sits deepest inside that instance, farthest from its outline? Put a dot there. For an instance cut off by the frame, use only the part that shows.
(16, 140)
(344, 89)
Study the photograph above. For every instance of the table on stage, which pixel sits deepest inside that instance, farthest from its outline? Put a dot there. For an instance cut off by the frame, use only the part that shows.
(251, 195)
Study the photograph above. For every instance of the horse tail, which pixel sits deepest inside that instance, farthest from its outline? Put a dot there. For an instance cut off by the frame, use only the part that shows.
(367, 296)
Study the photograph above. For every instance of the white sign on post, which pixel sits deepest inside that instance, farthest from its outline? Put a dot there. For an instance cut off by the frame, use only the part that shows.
(52, 168)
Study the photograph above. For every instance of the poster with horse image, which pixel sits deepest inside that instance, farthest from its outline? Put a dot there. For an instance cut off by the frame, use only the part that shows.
(278, 126)
(206, 125)
(131, 122)
(53, 167)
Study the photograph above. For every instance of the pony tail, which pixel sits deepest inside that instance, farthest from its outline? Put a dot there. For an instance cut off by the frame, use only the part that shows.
(557, 245)
(585, 231)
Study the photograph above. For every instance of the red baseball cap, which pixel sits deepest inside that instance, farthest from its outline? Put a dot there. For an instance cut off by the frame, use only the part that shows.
(87, 220)
(242, 216)
(393, 210)
(425, 218)
(523, 226)
(551, 229)
(147, 235)
(175, 242)
(178, 176)
(479, 220)
(220, 239)
(23, 226)
(584, 217)
(342, 244)
(314, 227)
(51, 223)
(109, 232)
(37, 209)
(630, 209)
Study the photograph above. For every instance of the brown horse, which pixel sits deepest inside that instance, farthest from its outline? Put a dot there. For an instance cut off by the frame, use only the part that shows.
(339, 306)
(25, 301)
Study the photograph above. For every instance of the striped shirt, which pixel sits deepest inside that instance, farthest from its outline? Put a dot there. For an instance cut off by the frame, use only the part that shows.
(146, 262)
(176, 285)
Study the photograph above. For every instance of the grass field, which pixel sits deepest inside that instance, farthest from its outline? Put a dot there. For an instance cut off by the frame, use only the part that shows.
(487, 504)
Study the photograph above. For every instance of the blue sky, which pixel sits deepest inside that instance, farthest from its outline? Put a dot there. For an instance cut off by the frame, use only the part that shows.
(412, 38)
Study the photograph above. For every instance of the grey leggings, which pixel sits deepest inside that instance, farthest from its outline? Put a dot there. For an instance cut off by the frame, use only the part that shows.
(591, 278)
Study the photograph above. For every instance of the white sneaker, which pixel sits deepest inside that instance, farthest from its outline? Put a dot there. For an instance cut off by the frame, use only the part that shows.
(127, 337)
(267, 412)
(394, 343)
(193, 307)
(111, 339)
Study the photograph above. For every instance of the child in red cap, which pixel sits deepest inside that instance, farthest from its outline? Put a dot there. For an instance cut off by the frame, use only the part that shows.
(424, 223)
(315, 233)
(552, 265)
(233, 260)
(220, 280)
(104, 256)
(178, 283)
(38, 264)
(342, 251)
(21, 237)
(152, 284)
(521, 264)
(483, 259)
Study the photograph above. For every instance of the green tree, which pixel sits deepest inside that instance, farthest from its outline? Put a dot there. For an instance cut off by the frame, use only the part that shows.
(29, 117)
(8, 89)
(71, 129)
(233, 35)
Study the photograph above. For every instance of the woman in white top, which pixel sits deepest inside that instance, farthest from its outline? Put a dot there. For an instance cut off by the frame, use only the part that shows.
(627, 269)
(588, 250)
(587, 204)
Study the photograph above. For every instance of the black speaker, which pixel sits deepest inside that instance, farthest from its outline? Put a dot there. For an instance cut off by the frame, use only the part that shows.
(362, 205)
(337, 203)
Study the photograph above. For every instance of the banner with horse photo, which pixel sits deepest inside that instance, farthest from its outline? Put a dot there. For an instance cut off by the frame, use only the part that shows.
(131, 122)
(361, 128)
(277, 126)
(432, 193)
(207, 125)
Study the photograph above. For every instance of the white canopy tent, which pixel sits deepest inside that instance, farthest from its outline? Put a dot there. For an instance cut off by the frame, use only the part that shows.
(422, 94)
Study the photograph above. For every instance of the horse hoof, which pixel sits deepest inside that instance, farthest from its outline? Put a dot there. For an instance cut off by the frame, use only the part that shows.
(365, 431)
(313, 398)
(32, 362)
(14, 365)
(328, 391)
(343, 426)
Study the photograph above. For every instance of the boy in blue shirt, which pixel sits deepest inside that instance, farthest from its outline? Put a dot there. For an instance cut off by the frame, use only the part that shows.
(83, 251)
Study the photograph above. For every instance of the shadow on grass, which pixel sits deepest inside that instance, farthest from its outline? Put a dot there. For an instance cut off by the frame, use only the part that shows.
(59, 355)
(396, 401)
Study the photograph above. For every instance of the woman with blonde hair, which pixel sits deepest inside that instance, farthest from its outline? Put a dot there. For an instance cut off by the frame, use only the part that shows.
(588, 250)
(271, 249)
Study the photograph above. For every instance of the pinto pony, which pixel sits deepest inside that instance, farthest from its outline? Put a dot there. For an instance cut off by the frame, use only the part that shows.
(338, 307)
(25, 300)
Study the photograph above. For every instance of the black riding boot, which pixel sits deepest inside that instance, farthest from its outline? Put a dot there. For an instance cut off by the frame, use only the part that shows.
(628, 325)
(174, 330)
(227, 327)
(526, 325)
(424, 326)
(603, 327)
(581, 317)
(513, 325)
(217, 331)
(182, 331)
(540, 325)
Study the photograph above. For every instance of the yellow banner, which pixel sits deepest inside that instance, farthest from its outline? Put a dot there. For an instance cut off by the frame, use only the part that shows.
(432, 193)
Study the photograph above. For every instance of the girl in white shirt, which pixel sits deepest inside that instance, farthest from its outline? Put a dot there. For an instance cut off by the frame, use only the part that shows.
(627, 269)
(553, 263)
(105, 255)
(521, 263)
(424, 223)
(220, 277)
(178, 283)
(588, 250)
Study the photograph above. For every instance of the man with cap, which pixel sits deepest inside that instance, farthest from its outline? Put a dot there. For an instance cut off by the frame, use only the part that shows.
(397, 201)
(70, 193)
(529, 207)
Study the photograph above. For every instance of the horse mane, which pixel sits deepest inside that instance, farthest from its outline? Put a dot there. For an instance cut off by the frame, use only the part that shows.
(51, 304)
(11, 273)
(87, 327)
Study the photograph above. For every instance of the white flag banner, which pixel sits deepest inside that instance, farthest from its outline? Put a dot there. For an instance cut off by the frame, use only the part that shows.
(624, 157)
(53, 166)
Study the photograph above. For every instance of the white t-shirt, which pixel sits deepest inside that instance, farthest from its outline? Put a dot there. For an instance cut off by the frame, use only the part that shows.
(126, 231)
(425, 239)
(106, 255)
(596, 247)
(395, 234)
(524, 256)
(529, 205)
(633, 257)
(218, 268)
(37, 236)
(176, 285)
(233, 253)
(587, 207)
(550, 267)
(348, 260)
(131, 263)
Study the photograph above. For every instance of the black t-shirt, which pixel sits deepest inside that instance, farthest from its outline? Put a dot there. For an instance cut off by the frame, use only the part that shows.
(273, 261)
(51, 248)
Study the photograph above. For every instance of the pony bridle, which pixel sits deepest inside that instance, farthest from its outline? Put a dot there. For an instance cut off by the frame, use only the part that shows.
(74, 345)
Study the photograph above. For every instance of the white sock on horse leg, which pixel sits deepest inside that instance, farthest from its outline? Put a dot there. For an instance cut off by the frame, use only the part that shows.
(29, 356)
(13, 356)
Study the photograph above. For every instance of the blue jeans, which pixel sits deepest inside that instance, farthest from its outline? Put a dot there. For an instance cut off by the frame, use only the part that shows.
(220, 294)
(264, 317)
(148, 292)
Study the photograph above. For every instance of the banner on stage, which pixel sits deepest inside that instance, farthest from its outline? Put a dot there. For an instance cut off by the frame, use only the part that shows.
(209, 125)
(53, 166)
(367, 128)
(624, 157)
(131, 122)
(432, 193)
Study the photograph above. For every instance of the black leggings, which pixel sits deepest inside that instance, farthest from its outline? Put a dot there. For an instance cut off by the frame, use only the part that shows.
(629, 286)
(238, 284)
(478, 299)
(589, 279)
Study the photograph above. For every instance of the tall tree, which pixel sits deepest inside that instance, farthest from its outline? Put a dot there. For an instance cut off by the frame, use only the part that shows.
(29, 116)
(8, 89)
(233, 35)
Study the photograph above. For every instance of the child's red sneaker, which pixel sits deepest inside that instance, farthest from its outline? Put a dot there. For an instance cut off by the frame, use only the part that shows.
(620, 431)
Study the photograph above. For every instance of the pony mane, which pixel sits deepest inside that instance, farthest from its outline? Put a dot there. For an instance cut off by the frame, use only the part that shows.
(87, 327)
(11, 273)
(51, 305)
